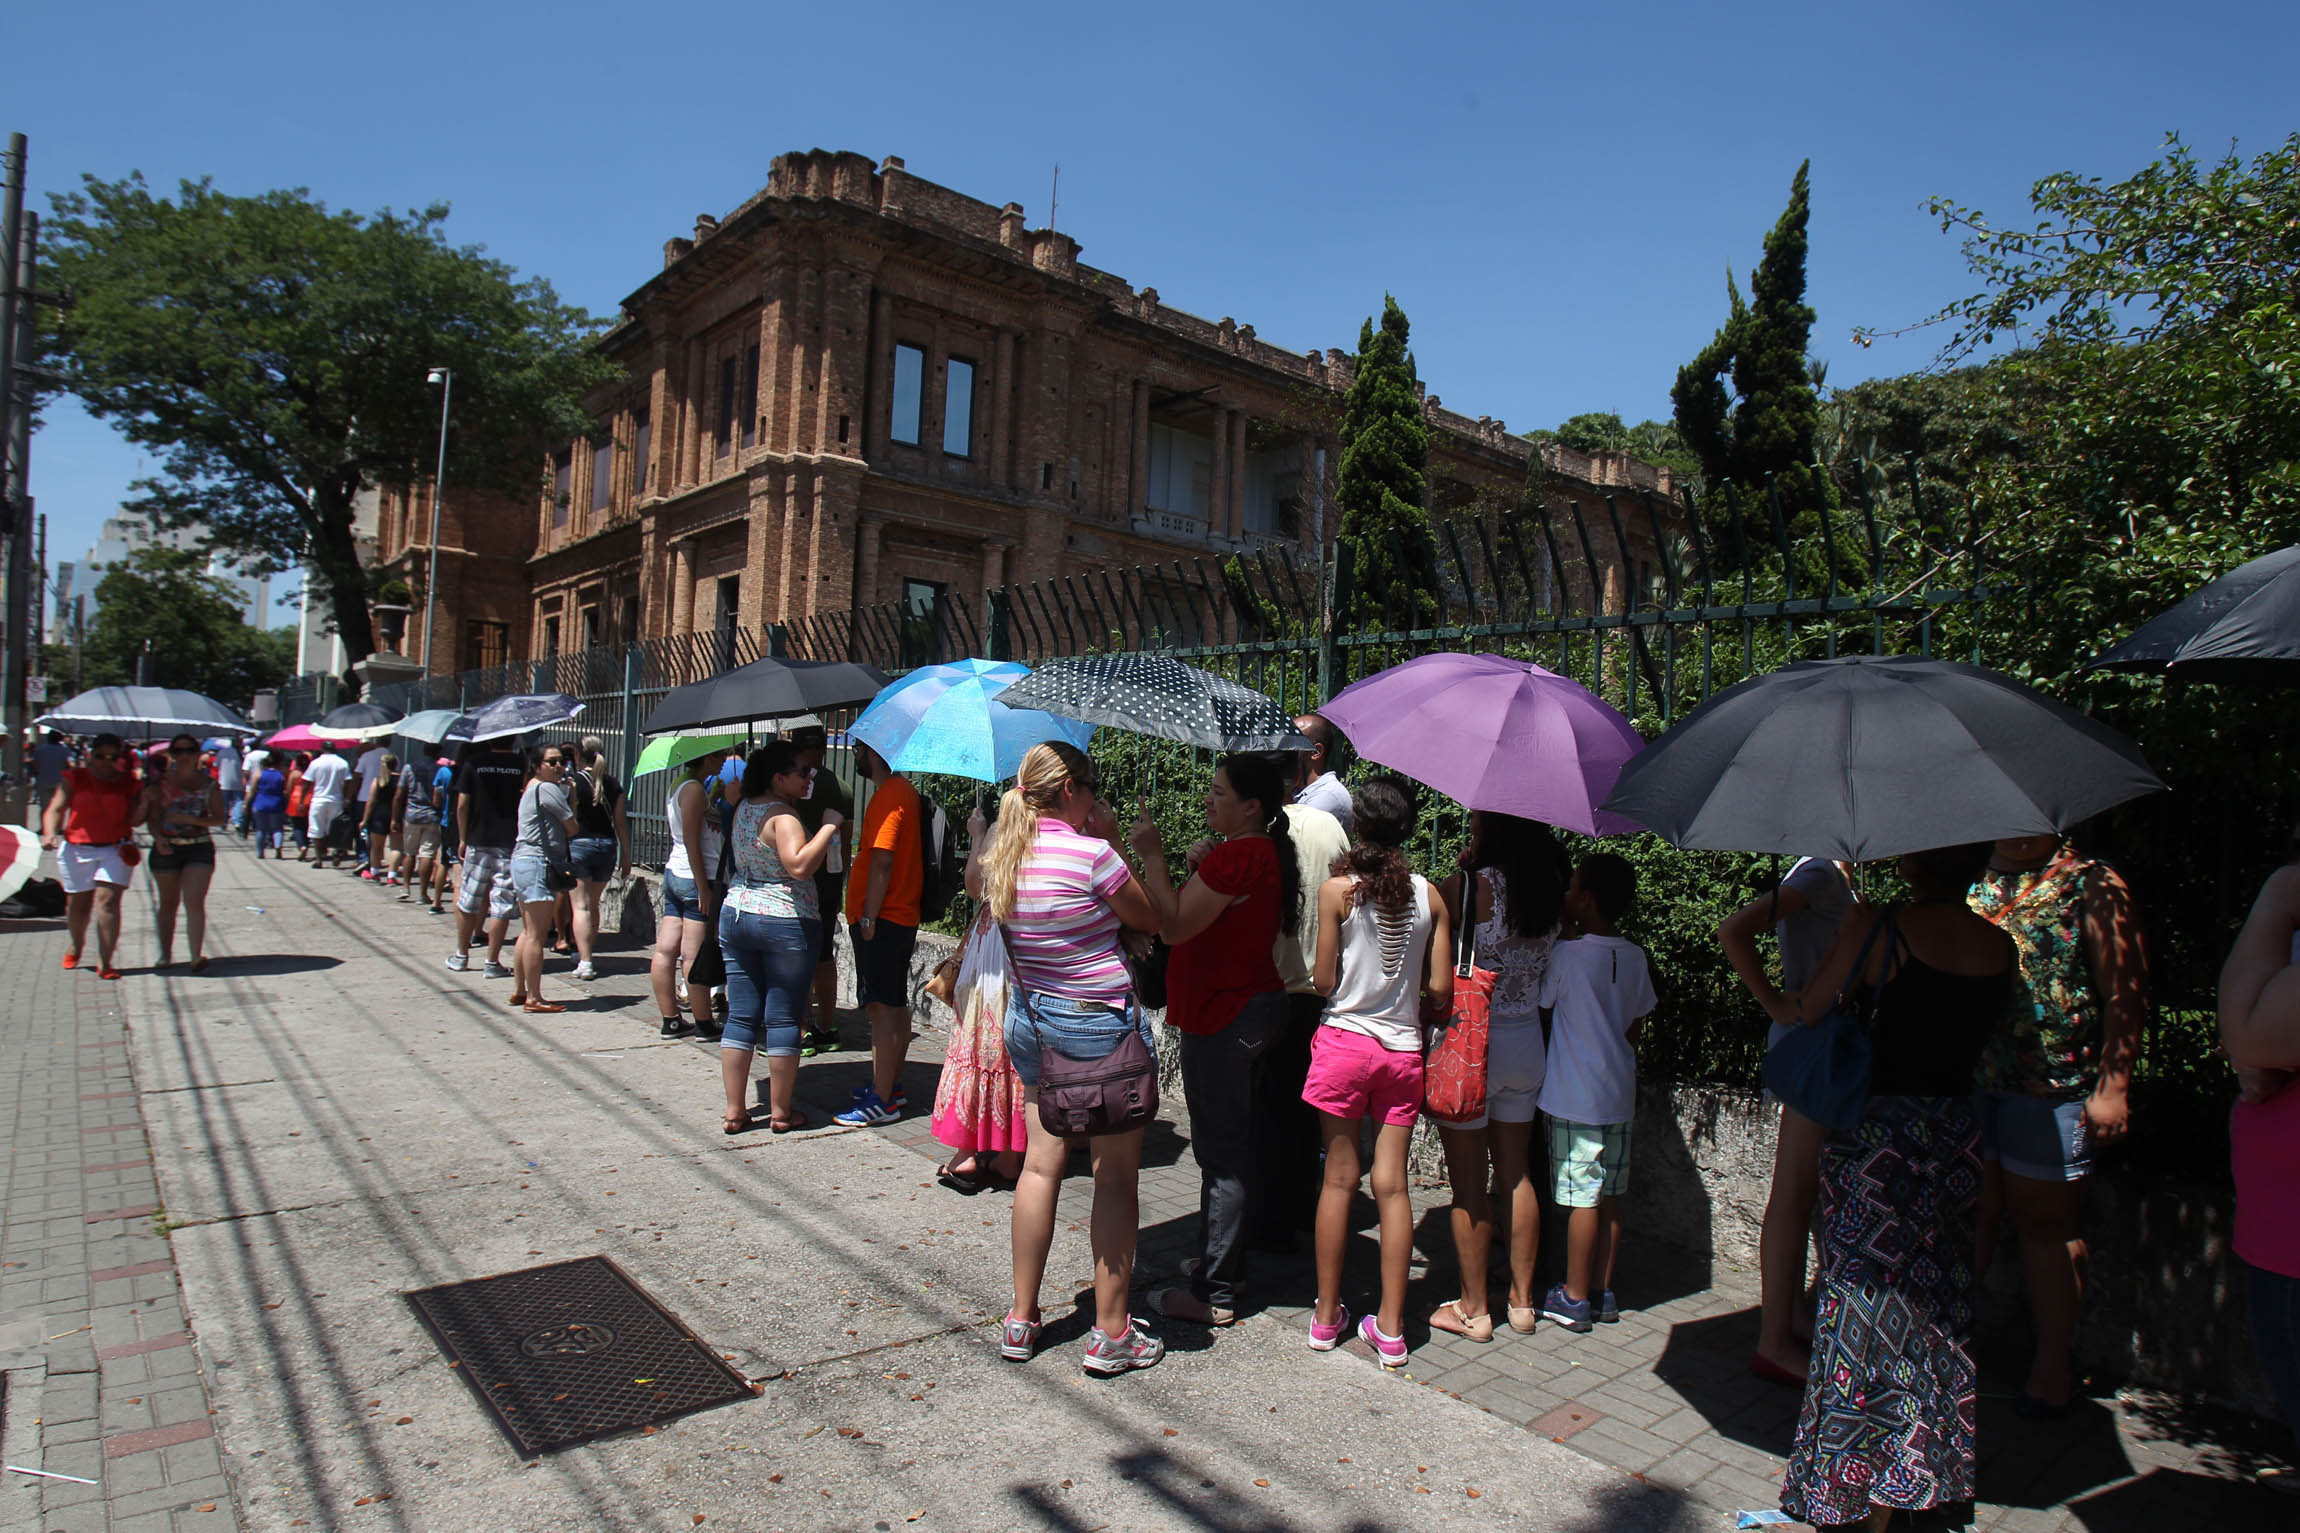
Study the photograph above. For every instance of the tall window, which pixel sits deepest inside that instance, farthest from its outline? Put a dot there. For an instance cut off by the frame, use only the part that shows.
(562, 486)
(730, 375)
(641, 441)
(958, 410)
(921, 622)
(630, 629)
(730, 603)
(750, 404)
(486, 645)
(550, 638)
(602, 474)
(909, 391)
(591, 635)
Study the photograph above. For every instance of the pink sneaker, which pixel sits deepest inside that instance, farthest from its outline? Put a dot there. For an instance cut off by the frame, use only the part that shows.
(1324, 1338)
(1390, 1349)
(1018, 1339)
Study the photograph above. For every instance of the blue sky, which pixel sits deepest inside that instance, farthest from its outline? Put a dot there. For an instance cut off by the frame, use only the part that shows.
(1552, 192)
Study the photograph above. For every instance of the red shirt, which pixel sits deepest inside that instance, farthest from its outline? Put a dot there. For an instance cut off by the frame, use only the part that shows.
(100, 810)
(1210, 978)
(2264, 1141)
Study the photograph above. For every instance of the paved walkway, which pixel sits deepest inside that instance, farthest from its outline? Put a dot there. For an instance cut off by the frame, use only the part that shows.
(338, 1119)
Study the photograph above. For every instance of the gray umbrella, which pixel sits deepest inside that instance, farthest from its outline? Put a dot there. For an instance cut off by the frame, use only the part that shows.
(2245, 626)
(514, 715)
(143, 713)
(1157, 696)
(1870, 756)
(765, 689)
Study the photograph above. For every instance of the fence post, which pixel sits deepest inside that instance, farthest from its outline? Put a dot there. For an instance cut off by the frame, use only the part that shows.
(632, 658)
(1329, 650)
(999, 647)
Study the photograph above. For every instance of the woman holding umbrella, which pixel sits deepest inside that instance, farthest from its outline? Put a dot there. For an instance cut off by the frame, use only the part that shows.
(183, 806)
(93, 815)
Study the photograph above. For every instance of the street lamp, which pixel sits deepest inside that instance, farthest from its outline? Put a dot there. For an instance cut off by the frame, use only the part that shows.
(445, 378)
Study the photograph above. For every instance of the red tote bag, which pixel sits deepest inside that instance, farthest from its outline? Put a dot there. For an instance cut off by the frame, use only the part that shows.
(1453, 1085)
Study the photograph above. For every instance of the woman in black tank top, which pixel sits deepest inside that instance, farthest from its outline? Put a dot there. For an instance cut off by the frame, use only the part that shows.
(1887, 1421)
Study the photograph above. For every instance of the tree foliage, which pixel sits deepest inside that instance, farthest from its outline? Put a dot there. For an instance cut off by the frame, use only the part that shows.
(274, 354)
(1745, 405)
(1649, 441)
(1382, 484)
(164, 601)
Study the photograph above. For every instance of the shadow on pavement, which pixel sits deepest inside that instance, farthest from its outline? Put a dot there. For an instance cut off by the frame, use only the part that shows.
(2048, 1463)
(1707, 1362)
(1634, 1508)
(240, 965)
(2177, 1498)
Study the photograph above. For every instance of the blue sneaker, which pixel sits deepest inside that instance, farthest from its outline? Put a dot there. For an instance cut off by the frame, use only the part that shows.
(868, 1111)
(1571, 1313)
(900, 1101)
(1607, 1312)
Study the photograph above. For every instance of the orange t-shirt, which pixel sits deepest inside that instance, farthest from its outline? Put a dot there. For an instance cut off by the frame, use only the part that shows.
(890, 824)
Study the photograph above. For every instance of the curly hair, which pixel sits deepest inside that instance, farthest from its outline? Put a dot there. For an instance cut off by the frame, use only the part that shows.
(1383, 811)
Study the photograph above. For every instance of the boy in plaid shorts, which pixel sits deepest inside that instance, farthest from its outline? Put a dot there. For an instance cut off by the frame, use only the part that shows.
(1597, 990)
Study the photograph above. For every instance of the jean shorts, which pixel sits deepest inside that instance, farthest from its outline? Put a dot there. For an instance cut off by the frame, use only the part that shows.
(2042, 1138)
(1077, 1029)
(593, 857)
(770, 971)
(531, 880)
(681, 900)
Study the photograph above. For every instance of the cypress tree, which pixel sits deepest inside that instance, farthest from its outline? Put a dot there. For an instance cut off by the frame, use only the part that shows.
(1383, 484)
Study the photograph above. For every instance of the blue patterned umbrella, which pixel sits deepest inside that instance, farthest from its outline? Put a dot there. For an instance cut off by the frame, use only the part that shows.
(514, 715)
(948, 719)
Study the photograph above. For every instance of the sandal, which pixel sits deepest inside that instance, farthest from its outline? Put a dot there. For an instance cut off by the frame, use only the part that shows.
(1449, 1317)
(545, 1008)
(1523, 1317)
(199, 965)
(965, 1183)
(793, 1124)
(733, 1126)
(518, 998)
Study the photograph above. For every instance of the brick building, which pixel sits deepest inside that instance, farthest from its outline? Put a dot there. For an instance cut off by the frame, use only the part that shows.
(862, 388)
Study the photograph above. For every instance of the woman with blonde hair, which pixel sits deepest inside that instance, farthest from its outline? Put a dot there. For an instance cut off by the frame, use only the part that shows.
(1057, 881)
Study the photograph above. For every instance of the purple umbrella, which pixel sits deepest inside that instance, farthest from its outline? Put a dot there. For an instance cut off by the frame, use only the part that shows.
(1494, 733)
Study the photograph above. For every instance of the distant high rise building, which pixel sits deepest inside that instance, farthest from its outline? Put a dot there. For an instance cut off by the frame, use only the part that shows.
(130, 531)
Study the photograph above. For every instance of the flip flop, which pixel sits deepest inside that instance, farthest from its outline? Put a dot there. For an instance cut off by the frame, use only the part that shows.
(1449, 1317)
(965, 1184)
(545, 1008)
(729, 1127)
(799, 1122)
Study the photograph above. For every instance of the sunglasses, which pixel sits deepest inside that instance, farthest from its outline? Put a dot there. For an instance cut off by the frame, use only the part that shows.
(183, 750)
(557, 761)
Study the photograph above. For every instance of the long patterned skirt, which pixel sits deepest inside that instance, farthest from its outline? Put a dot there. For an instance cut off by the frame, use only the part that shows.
(978, 1102)
(1889, 1403)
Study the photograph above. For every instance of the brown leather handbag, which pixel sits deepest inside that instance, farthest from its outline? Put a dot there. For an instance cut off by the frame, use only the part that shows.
(1082, 1098)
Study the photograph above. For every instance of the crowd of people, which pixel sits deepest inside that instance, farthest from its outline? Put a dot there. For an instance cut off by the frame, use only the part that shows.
(1300, 958)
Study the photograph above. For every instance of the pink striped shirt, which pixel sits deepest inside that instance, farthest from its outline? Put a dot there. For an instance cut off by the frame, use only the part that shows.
(1065, 933)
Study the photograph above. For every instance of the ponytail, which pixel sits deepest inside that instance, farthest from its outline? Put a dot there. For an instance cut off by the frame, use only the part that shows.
(1258, 776)
(1047, 770)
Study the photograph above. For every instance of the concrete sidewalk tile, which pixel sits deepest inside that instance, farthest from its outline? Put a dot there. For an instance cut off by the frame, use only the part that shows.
(193, 1461)
(1682, 1470)
(139, 1348)
(214, 1520)
(1562, 1422)
(131, 1211)
(132, 1444)
(1623, 1446)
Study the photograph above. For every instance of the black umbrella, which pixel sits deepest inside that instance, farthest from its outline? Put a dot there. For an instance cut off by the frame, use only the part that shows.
(2243, 626)
(1868, 756)
(141, 713)
(765, 689)
(360, 721)
(514, 715)
(1152, 695)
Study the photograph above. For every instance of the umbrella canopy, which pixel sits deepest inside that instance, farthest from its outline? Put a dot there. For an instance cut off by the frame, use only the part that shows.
(667, 753)
(143, 713)
(949, 719)
(360, 721)
(765, 689)
(19, 858)
(514, 715)
(1866, 757)
(302, 737)
(2243, 626)
(1496, 734)
(428, 727)
(1163, 698)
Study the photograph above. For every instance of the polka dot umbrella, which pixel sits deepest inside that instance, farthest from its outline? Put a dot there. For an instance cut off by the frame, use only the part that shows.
(1165, 699)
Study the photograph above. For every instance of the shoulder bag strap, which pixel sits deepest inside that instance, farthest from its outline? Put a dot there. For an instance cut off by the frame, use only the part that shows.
(1466, 938)
(1014, 982)
(1861, 960)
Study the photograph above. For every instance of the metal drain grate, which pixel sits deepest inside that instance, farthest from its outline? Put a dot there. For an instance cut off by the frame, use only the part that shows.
(573, 1351)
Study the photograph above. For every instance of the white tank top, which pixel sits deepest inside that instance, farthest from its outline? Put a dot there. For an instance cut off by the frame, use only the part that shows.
(677, 864)
(1384, 958)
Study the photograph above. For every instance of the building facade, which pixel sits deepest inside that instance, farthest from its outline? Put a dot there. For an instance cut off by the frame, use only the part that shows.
(862, 389)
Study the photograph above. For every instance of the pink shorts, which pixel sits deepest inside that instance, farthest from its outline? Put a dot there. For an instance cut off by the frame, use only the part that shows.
(1352, 1076)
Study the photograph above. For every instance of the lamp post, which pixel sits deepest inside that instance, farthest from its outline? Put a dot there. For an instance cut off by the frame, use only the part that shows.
(445, 378)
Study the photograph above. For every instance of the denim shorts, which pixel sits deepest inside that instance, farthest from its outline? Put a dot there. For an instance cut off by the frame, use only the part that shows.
(770, 970)
(593, 857)
(1077, 1029)
(681, 900)
(531, 880)
(2042, 1138)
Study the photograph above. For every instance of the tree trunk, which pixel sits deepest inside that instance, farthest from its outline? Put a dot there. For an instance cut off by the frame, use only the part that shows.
(335, 558)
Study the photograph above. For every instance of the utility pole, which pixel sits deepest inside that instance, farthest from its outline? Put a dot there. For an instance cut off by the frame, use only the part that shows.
(79, 643)
(15, 413)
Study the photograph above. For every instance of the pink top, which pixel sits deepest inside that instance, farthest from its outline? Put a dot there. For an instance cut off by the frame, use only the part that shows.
(1065, 933)
(2264, 1147)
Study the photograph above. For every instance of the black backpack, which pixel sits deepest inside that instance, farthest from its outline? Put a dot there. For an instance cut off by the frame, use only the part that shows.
(945, 866)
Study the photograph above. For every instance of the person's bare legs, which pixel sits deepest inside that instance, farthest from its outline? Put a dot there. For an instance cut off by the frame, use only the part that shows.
(496, 932)
(1609, 1231)
(466, 924)
(1584, 1234)
(196, 879)
(76, 908)
(1472, 1215)
(108, 923)
(1512, 1160)
(171, 887)
(1340, 1136)
(527, 959)
(1782, 1240)
(692, 935)
(586, 918)
(826, 1018)
(563, 921)
(889, 1046)
(782, 1087)
(735, 1075)
(1037, 1193)
(1397, 1222)
(2052, 1259)
(663, 966)
(1117, 1219)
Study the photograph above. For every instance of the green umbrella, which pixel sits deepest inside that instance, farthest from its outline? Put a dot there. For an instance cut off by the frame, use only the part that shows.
(668, 752)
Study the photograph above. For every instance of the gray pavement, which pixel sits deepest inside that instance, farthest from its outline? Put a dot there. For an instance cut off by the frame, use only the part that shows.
(336, 1119)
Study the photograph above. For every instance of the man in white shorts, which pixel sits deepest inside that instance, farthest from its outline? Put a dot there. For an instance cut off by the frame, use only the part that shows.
(326, 777)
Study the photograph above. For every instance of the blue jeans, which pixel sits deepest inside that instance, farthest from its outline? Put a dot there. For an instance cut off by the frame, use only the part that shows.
(770, 969)
(1078, 1029)
(2275, 1303)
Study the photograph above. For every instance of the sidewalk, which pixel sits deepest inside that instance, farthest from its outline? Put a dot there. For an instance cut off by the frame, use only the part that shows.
(336, 1119)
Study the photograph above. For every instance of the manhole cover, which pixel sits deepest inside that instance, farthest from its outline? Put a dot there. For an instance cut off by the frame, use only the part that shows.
(574, 1351)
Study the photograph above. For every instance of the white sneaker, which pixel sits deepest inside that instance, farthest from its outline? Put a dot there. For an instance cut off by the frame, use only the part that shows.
(584, 971)
(459, 961)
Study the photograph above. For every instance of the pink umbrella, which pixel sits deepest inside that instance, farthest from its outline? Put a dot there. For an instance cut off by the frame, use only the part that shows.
(1497, 734)
(300, 737)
